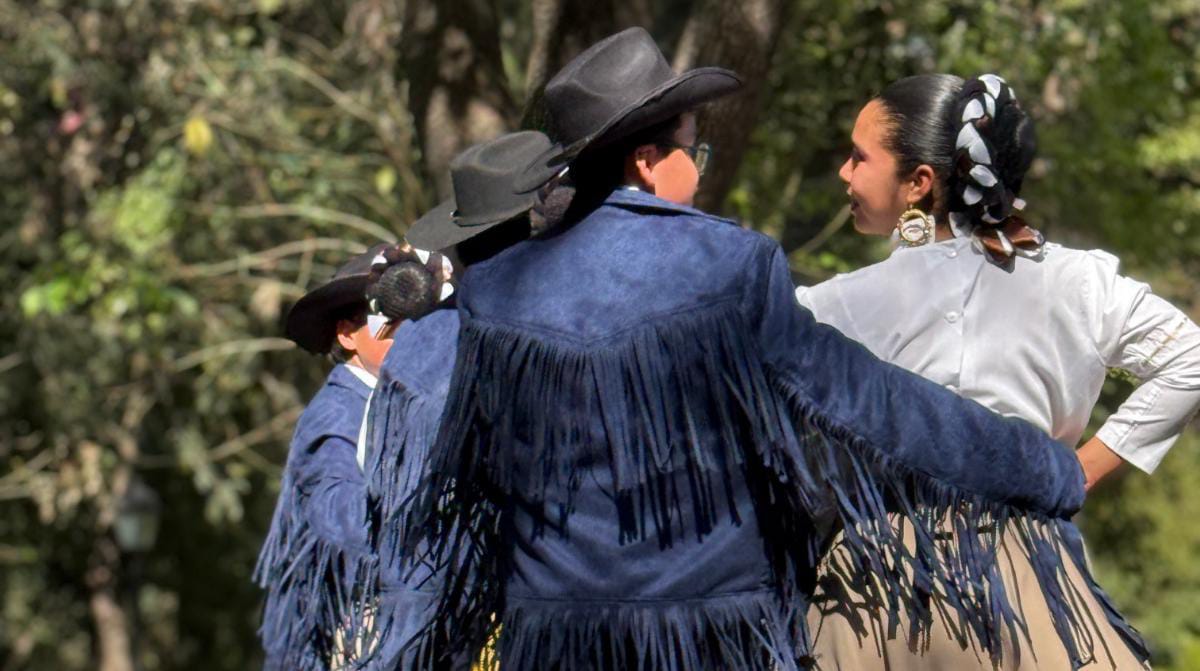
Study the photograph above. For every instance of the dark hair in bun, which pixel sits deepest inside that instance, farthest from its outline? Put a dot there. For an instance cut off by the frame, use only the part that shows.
(405, 290)
(978, 171)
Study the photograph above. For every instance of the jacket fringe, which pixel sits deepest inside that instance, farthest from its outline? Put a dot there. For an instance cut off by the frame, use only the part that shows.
(687, 399)
(312, 613)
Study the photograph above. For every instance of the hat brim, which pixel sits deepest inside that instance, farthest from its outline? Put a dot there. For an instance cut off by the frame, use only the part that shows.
(312, 321)
(675, 96)
(438, 229)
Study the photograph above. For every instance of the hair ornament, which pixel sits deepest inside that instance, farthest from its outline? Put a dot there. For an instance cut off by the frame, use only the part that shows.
(984, 206)
(438, 266)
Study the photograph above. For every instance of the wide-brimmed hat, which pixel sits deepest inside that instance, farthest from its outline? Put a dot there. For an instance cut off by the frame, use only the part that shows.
(615, 88)
(312, 321)
(482, 177)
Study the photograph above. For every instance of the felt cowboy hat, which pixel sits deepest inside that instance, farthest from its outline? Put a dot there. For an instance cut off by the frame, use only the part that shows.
(615, 88)
(312, 321)
(482, 177)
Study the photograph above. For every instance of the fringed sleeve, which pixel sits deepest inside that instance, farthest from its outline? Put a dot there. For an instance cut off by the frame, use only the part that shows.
(678, 408)
(403, 422)
(406, 632)
(316, 552)
(883, 445)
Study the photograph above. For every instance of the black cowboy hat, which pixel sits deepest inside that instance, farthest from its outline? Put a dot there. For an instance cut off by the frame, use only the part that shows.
(615, 88)
(312, 321)
(483, 191)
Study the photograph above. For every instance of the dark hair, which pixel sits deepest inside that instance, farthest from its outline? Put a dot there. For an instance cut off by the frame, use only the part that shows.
(406, 290)
(356, 314)
(924, 115)
(594, 175)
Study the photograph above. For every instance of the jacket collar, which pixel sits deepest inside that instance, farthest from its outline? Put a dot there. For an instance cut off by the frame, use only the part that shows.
(342, 376)
(638, 200)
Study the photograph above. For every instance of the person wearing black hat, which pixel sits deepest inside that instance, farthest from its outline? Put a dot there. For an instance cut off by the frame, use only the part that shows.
(646, 438)
(483, 217)
(317, 549)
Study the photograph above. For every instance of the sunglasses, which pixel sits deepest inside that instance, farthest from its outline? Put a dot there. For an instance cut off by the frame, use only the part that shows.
(700, 153)
(380, 327)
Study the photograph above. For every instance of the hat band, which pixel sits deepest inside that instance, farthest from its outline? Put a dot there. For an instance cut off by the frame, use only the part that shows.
(488, 218)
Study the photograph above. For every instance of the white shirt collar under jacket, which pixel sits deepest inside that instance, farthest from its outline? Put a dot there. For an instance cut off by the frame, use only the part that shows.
(1034, 342)
(363, 374)
(369, 380)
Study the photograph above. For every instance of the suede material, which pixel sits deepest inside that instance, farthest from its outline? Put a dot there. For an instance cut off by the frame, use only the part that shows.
(637, 261)
(319, 527)
(422, 354)
(413, 382)
(322, 462)
(611, 271)
(638, 258)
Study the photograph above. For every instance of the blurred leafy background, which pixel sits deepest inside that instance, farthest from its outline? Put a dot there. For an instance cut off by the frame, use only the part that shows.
(174, 173)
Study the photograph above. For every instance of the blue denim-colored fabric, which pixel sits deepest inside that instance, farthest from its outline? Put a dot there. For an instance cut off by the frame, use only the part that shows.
(422, 354)
(404, 415)
(645, 426)
(318, 534)
(639, 258)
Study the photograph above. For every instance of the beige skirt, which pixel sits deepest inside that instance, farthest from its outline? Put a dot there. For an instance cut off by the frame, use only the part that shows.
(850, 633)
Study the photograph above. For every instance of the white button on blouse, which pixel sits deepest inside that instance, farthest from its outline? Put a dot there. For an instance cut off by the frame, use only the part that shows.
(1033, 343)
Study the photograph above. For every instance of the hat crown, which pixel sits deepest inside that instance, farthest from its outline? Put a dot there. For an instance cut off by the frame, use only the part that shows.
(483, 175)
(312, 321)
(601, 82)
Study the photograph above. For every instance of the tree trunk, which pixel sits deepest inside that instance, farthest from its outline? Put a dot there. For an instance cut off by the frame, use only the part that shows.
(458, 89)
(740, 36)
(113, 649)
(564, 28)
(458, 95)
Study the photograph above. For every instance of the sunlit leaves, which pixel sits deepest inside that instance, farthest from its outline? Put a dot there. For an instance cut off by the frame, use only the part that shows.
(197, 135)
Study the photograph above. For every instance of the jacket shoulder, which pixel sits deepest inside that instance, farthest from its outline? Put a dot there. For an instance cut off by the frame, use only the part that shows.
(422, 354)
(335, 411)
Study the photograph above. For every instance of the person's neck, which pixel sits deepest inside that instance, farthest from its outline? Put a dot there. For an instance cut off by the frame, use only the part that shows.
(942, 232)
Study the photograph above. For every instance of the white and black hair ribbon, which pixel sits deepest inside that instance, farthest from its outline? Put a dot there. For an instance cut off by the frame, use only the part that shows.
(984, 205)
(438, 265)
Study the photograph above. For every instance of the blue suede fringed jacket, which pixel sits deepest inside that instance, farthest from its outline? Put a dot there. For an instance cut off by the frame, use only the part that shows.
(403, 417)
(316, 550)
(647, 441)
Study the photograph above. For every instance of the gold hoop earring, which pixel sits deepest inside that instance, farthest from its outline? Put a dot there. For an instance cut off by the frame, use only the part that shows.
(915, 228)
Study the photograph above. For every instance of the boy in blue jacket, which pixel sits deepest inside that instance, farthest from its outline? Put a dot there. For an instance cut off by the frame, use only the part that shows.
(317, 549)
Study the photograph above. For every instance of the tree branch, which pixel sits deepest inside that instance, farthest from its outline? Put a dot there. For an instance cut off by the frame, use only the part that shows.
(231, 348)
(839, 220)
(740, 36)
(10, 361)
(280, 423)
(313, 212)
(245, 261)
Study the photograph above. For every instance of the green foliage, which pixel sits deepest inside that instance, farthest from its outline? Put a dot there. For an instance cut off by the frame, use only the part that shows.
(173, 174)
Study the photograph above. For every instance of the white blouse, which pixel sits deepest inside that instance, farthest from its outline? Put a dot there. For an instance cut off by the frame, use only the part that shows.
(1034, 342)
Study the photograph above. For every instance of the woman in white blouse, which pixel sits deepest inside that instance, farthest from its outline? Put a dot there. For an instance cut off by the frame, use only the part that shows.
(973, 298)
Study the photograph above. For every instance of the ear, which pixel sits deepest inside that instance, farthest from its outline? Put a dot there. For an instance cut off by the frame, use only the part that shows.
(920, 184)
(639, 166)
(345, 335)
